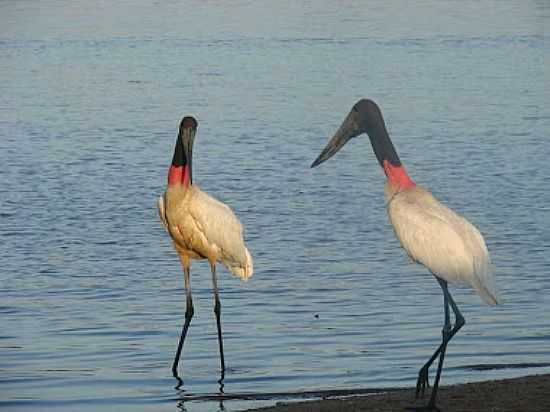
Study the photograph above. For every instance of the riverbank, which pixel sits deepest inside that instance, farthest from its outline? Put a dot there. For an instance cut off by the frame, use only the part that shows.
(529, 393)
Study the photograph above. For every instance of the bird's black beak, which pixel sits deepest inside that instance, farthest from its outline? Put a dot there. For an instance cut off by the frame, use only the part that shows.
(186, 138)
(350, 128)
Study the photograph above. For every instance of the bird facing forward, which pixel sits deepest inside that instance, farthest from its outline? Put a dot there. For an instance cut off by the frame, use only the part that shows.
(201, 227)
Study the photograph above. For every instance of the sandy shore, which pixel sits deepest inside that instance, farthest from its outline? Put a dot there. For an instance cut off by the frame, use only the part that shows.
(526, 394)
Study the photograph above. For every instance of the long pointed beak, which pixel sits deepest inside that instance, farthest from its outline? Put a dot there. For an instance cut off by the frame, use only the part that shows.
(348, 129)
(187, 139)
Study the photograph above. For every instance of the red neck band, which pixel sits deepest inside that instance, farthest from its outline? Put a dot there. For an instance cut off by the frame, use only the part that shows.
(179, 175)
(397, 175)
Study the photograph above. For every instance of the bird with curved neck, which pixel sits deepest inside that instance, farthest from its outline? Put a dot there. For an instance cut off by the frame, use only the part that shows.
(201, 227)
(433, 235)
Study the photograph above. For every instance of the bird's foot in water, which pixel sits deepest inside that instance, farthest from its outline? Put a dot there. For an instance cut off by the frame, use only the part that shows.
(180, 382)
(422, 382)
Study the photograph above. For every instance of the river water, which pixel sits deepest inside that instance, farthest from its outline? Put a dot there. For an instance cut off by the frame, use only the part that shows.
(91, 291)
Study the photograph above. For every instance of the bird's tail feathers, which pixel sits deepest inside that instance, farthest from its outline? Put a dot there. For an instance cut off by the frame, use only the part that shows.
(242, 270)
(485, 284)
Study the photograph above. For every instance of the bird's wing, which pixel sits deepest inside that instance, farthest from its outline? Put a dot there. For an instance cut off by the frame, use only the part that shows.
(431, 242)
(484, 270)
(443, 241)
(425, 232)
(222, 229)
(162, 211)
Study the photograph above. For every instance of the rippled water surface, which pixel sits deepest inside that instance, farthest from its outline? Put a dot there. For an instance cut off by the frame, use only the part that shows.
(91, 291)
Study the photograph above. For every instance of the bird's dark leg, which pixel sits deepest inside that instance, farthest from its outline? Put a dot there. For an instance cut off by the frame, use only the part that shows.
(189, 311)
(447, 333)
(446, 336)
(217, 311)
(423, 375)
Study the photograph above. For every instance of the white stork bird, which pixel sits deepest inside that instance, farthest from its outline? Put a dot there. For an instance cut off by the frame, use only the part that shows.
(201, 227)
(449, 246)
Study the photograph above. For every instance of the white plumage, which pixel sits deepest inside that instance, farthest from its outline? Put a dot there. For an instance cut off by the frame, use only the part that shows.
(440, 239)
(202, 227)
(449, 246)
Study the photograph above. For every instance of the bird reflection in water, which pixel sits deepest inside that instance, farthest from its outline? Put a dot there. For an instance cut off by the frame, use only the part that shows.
(183, 397)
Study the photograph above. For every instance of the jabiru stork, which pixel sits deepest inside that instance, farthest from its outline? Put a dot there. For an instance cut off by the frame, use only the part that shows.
(201, 227)
(433, 235)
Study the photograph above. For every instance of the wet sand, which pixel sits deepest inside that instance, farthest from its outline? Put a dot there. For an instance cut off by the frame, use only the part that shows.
(525, 394)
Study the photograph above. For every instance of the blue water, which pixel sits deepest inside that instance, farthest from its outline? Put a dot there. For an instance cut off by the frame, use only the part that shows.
(91, 291)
